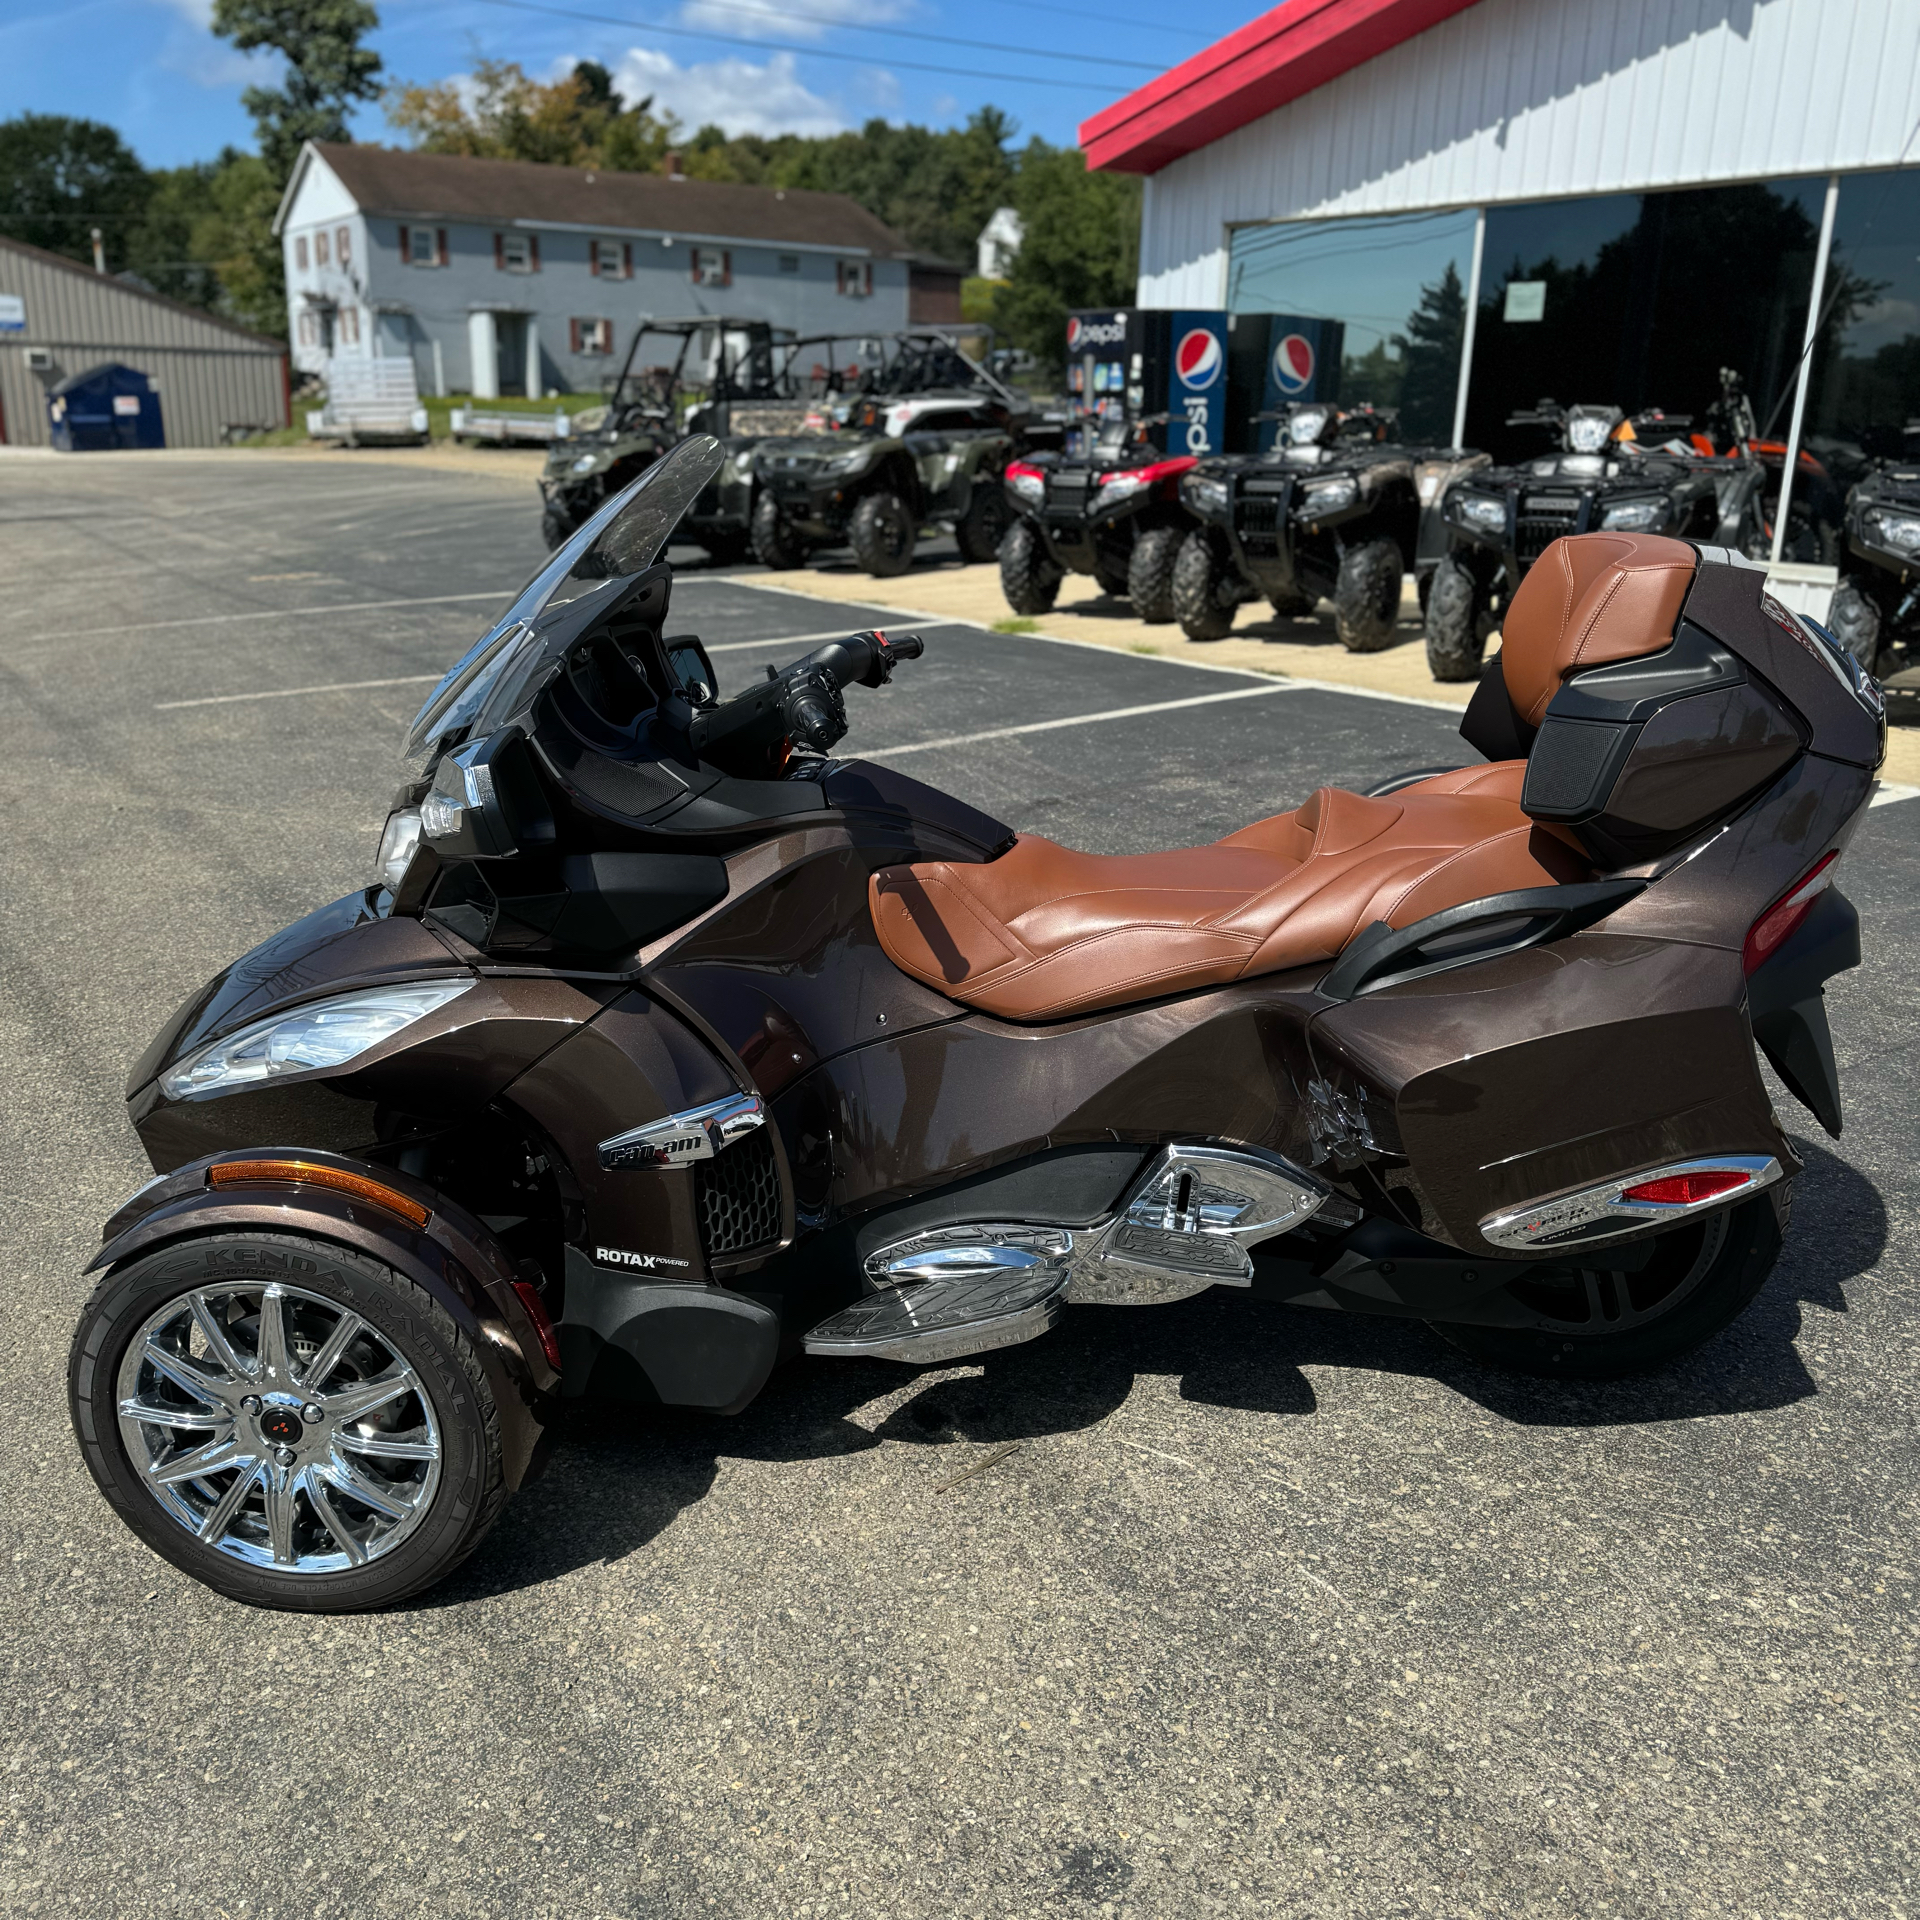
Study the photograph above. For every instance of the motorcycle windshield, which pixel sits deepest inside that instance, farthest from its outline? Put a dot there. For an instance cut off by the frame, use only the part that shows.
(626, 536)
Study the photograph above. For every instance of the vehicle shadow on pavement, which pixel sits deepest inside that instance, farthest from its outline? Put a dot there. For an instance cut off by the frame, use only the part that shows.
(620, 1476)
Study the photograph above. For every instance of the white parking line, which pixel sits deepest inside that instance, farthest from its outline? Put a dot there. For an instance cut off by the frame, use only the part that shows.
(1889, 792)
(288, 613)
(1076, 720)
(289, 693)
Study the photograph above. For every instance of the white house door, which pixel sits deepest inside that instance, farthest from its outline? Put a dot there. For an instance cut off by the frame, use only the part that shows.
(485, 370)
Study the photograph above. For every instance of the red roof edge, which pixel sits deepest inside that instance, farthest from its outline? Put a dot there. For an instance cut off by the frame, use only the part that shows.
(1300, 45)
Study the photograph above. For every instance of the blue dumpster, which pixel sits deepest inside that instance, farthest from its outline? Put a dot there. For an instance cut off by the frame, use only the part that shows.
(105, 407)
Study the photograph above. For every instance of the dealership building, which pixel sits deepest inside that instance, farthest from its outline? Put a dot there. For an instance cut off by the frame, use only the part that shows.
(1502, 200)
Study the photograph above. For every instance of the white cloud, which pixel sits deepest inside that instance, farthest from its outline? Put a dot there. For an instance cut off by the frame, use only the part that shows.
(732, 94)
(789, 19)
(192, 50)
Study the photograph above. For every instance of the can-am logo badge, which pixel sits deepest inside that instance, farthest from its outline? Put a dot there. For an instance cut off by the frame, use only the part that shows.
(1197, 358)
(1293, 365)
(647, 1262)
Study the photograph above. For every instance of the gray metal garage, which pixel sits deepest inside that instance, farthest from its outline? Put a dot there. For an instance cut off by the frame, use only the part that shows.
(59, 318)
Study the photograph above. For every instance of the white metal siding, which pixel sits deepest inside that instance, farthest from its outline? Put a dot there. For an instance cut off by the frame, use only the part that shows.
(1543, 99)
(210, 376)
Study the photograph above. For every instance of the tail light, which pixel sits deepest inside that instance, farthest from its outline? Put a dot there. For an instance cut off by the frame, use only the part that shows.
(1688, 1189)
(542, 1323)
(1782, 920)
(1658, 1196)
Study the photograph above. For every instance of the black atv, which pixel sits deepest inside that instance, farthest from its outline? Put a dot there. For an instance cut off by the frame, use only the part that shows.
(612, 445)
(1876, 607)
(1606, 474)
(925, 443)
(1330, 512)
(1113, 512)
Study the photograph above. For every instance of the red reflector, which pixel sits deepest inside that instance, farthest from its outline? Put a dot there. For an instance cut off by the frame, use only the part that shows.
(1688, 1189)
(542, 1325)
(1780, 921)
(1019, 470)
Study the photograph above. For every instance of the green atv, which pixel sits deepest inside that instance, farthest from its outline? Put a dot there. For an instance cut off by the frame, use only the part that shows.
(925, 444)
(737, 361)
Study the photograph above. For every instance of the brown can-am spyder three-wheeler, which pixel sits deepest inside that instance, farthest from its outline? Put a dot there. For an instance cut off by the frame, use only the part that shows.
(670, 1044)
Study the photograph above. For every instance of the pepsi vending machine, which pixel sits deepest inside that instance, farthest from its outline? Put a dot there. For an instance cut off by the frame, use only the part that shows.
(1138, 361)
(1275, 359)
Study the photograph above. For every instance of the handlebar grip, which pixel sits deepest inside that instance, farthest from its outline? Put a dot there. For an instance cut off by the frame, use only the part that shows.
(909, 646)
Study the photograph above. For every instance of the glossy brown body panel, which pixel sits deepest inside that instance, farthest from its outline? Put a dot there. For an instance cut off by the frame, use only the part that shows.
(1696, 758)
(1552, 1069)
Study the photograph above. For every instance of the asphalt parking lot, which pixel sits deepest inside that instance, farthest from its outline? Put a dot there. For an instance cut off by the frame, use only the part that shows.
(1270, 1612)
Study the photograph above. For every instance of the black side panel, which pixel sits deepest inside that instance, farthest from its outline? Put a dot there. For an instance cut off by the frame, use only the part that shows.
(1491, 725)
(1786, 1002)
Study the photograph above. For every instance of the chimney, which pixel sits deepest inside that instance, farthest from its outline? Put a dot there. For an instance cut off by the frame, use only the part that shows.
(673, 164)
(99, 251)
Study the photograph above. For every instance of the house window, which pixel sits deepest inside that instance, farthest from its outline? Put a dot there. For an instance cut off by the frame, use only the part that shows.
(320, 248)
(789, 263)
(516, 253)
(309, 330)
(300, 252)
(610, 259)
(343, 245)
(591, 336)
(349, 326)
(856, 278)
(424, 246)
(712, 267)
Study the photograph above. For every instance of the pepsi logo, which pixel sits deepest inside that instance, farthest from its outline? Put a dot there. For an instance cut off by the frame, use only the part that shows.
(1198, 357)
(1074, 331)
(1293, 365)
(1094, 333)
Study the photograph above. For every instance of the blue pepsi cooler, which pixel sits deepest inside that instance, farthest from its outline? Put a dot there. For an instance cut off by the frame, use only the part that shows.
(1146, 360)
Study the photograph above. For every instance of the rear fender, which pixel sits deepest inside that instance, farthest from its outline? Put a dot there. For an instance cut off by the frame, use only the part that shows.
(452, 1256)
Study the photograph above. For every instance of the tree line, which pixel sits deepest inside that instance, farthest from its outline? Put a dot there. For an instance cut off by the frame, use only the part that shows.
(202, 233)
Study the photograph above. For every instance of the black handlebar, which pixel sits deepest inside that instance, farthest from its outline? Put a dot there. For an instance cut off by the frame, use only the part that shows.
(754, 733)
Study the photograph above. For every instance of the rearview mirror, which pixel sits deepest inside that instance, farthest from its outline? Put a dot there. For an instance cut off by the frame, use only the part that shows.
(693, 672)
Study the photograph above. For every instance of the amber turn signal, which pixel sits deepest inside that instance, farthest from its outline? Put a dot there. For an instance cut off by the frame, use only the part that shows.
(309, 1173)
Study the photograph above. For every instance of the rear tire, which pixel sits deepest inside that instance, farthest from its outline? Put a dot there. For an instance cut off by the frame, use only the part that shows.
(1150, 573)
(268, 1522)
(881, 534)
(979, 531)
(555, 528)
(1456, 637)
(1854, 621)
(1601, 1324)
(1203, 602)
(775, 542)
(1366, 596)
(1028, 578)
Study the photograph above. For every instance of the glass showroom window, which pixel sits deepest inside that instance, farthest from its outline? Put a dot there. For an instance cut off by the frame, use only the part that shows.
(1865, 383)
(1624, 300)
(1395, 286)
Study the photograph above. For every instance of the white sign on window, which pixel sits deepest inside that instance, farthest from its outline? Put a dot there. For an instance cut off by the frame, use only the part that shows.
(126, 403)
(1526, 300)
(13, 313)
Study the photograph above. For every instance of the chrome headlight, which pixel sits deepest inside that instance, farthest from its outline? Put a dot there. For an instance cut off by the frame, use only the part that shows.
(1307, 424)
(399, 841)
(586, 463)
(1588, 432)
(1897, 532)
(1120, 486)
(1028, 487)
(1638, 516)
(843, 463)
(1480, 511)
(1203, 493)
(310, 1039)
(1329, 496)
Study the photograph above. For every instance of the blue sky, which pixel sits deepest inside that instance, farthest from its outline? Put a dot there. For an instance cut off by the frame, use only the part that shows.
(151, 68)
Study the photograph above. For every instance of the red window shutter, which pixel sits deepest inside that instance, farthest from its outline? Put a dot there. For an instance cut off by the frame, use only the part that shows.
(726, 269)
(626, 260)
(693, 266)
(406, 248)
(441, 246)
(533, 251)
(839, 276)
(499, 253)
(593, 258)
(573, 336)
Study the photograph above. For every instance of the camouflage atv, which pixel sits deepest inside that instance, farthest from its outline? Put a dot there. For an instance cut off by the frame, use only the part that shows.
(614, 444)
(925, 445)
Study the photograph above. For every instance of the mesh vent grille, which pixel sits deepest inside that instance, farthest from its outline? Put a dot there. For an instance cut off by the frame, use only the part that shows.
(737, 1195)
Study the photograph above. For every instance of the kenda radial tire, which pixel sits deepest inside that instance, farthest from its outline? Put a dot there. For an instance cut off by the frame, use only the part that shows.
(881, 534)
(1609, 1325)
(1854, 621)
(1150, 573)
(1454, 638)
(1199, 587)
(775, 543)
(979, 531)
(1366, 596)
(1030, 581)
(291, 1423)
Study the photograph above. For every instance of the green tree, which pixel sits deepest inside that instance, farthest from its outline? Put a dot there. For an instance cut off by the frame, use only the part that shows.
(60, 178)
(1430, 352)
(579, 120)
(327, 69)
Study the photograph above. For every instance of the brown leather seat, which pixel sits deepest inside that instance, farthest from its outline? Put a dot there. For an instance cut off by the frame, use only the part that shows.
(1043, 932)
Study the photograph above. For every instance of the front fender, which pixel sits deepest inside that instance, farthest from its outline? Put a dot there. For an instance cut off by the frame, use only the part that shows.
(452, 1256)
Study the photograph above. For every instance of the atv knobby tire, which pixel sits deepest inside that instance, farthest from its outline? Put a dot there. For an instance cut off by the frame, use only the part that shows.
(1150, 573)
(775, 541)
(1366, 596)
(1293, 606)
(1204, 600)
(1456, 637)
(1855, 622)
(1111, 580)
(555, 528)
(979, 531)
(881, 534)
(1028, 577)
